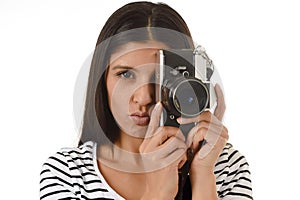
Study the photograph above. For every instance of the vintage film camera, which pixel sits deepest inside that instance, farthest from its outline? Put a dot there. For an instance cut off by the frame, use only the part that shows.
(185, 88)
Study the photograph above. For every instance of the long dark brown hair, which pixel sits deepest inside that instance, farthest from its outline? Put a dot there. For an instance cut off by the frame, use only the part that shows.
(134, 22)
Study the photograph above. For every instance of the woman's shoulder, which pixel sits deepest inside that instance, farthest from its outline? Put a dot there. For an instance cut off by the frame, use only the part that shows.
(83, 149)
(82, 155)
(73, 173)
(231, 157)
(69, 162)
(232, 174)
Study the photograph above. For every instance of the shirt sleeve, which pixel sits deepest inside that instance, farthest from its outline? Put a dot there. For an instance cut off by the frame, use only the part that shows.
(55, 179)
(233, 176)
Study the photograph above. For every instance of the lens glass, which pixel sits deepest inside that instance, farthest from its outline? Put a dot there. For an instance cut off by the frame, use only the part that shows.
(190, 97)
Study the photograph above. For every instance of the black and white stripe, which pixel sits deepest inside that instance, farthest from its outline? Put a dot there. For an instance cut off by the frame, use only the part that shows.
(73, 174)
(233, 175)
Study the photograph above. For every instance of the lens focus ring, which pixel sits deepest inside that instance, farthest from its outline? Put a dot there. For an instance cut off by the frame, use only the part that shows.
(189, 97)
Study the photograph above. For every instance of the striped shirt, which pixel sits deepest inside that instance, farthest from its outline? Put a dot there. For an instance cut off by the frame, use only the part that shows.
(73, 173)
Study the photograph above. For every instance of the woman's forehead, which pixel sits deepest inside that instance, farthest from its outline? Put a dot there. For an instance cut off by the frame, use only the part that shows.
(137, 48)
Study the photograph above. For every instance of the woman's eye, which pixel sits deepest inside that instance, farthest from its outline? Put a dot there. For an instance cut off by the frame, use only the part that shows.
(126, 74)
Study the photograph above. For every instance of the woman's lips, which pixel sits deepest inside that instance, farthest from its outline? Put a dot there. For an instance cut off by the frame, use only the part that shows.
(142, 119)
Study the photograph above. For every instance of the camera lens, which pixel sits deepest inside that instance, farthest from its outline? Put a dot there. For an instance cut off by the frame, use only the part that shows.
(190, 97)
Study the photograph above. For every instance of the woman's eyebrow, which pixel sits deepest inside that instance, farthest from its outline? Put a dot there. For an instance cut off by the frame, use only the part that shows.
(121, 67)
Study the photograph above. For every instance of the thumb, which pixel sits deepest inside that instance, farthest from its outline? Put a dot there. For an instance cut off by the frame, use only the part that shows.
(221, 107)
(154, 120)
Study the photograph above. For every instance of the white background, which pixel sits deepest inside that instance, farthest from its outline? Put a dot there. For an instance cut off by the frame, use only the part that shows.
(254, 44)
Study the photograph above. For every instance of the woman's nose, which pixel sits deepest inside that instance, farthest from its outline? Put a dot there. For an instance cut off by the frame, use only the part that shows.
(144, 95)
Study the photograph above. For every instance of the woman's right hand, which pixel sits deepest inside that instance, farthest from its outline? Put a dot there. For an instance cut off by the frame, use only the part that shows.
(163, 153)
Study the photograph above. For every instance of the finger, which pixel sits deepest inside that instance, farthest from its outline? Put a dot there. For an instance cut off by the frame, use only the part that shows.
(198, 138)
(165, 155)
(204, 116)
(212, 151)
(154, 120)
(215, 140)
(197, 135)
(204, 131)
(162, 136)
(192, 133)
(176, 132)
(221, 107)
(182, 160)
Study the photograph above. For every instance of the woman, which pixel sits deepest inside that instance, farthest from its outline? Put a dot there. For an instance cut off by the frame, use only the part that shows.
(123, 152)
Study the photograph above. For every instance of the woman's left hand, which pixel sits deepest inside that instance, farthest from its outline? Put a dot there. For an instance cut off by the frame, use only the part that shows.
(214, 135)
(209, 129)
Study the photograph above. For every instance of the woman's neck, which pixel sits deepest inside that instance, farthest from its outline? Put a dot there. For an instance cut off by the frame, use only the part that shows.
(129, 143)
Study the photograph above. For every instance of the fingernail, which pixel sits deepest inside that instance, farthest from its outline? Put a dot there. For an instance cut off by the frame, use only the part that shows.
(217, 86)
(157, 106)
(179, 120)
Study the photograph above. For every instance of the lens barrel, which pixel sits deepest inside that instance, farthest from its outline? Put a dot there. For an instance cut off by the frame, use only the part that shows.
(187, 97)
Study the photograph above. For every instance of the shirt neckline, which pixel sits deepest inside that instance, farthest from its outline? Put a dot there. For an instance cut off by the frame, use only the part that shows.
(99, 174)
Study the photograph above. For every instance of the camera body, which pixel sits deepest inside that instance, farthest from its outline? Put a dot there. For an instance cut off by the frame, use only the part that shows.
(183, 84)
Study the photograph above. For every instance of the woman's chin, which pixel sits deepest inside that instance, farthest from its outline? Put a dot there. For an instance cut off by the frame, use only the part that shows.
(135, 131)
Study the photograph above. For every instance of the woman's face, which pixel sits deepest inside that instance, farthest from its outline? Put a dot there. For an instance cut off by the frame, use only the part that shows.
(130, 85)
